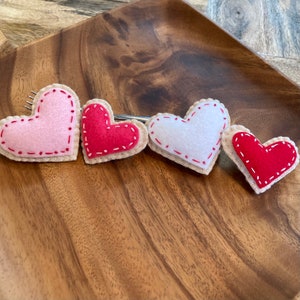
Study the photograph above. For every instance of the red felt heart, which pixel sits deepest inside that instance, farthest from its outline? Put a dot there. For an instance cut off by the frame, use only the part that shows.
(262, 164)
(103, 139)
(265, 163)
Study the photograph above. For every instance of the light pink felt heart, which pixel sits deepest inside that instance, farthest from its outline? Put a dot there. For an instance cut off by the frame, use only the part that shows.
(194, 141)
(51, 133)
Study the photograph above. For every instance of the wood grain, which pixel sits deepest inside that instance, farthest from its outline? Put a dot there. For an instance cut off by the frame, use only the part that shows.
(5, 45)
(270, 28)
(25, 21)
(278, 18)
(143, 227)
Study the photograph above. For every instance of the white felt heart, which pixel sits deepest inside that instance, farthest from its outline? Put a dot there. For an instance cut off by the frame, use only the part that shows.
(194, 141)
(51, 133)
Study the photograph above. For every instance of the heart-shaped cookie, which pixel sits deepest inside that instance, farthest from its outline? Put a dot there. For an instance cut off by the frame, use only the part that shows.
(103, 139)
(262, 164)
(51, 133)
(194, 141)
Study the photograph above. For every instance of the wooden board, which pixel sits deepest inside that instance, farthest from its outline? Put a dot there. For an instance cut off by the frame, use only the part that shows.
(144, 227)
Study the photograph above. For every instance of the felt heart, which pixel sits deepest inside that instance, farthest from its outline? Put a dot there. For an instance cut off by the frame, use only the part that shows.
(194, 141)
(262, 164)
(51, 133)
(103, 139)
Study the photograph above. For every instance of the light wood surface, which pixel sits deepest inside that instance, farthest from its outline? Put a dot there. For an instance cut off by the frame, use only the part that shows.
(143, 227)
(270, 28)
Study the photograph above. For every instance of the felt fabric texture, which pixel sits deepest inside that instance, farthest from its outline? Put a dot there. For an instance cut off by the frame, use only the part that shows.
(262, 164)
(103, 139)
(51, 133)
(194, 141)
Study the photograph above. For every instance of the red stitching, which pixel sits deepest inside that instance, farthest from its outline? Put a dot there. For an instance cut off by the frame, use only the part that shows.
(158, 141)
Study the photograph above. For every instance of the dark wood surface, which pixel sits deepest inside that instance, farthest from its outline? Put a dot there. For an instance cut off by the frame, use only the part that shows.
(144, 227)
